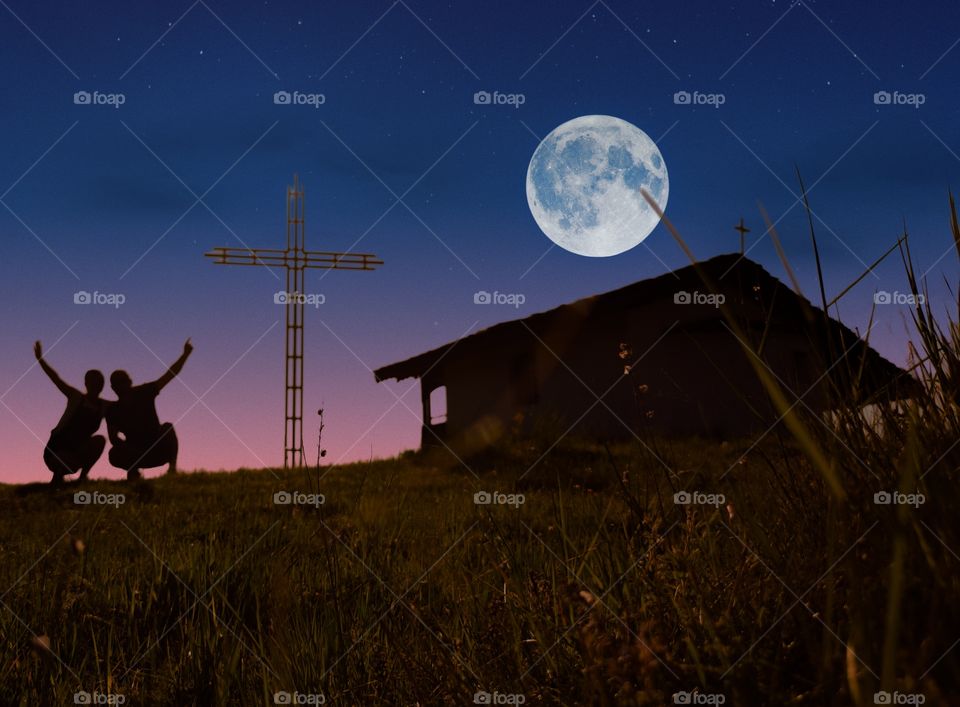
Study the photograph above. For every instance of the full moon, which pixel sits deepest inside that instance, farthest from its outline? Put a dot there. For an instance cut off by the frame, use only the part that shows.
(584, 182)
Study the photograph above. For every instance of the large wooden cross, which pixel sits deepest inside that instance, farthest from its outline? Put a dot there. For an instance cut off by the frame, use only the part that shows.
(295, 260)
(743, 230)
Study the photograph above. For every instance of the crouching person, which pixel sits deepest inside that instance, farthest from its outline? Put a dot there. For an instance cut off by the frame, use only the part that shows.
(138, 439)
(74, 445)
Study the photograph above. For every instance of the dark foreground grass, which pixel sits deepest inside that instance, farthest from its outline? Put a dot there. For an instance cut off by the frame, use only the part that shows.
(400, 590)
(818, 566)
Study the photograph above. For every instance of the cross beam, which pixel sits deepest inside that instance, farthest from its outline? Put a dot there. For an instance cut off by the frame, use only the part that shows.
(295, 259)
(311, 259)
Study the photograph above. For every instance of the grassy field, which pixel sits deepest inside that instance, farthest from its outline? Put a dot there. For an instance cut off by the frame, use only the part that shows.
(819, 566)
(399, 589)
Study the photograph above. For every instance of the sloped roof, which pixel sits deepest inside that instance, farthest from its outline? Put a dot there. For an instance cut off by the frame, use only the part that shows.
(722, 270)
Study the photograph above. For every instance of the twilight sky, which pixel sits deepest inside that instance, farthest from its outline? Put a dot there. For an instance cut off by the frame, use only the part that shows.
(399, 160)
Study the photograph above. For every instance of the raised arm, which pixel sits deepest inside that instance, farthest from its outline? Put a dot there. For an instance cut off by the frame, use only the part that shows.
(48, 369)
(177, 366)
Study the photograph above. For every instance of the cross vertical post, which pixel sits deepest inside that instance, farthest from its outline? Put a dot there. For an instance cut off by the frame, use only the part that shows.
(293, 363)
(743, 231)
(295, 259)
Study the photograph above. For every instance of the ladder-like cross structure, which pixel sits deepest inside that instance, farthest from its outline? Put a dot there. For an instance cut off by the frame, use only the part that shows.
(295, 260)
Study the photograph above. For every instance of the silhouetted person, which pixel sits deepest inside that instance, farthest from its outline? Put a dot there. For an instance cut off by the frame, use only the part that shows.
(139, 440)
(74, 445)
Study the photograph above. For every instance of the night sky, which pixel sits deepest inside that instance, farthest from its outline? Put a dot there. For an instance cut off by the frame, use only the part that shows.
(400, 161)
